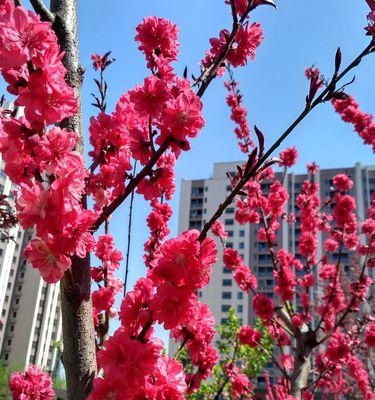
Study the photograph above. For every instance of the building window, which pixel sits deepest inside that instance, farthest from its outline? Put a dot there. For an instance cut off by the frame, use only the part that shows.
(229, 188)
(225, 307)
(242, 233)
(196, 191)
(229, 210)
(15, 314)
(227, 282)
(6, 356)
(9, 342)
(230, 233)
(1, 252)
(265, 258)
(226, 270)
(6, 299)
(229, 245)
(9, 285)
(239, 295)
(12, 328)
(241, 245)
(229, 221)
(240, 308)
(17, 300)
(226, 295)
(224, 320)
(3, 312)
(19, 288)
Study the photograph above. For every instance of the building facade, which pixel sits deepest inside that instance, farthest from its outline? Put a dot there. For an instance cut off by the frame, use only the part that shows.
(30, 322)
(199, 200)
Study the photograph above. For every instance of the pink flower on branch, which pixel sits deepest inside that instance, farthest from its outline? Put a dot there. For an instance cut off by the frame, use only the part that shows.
(33, 384)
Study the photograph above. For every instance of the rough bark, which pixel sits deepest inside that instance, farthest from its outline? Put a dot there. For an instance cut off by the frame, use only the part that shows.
(302, 363)
(79, 357)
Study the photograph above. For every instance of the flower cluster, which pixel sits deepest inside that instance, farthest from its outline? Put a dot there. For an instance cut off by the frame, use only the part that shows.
(348, 108)
(242, 274)
(157, 222)
(42, 160)
(167, 296)
(288, 157)
(218, 229)
(33, 384)
(163, 110)
(339, 366)
(247, 39)
(239, 116)
(249, 336)
(103, 299)
(308, 202)
(239, 382)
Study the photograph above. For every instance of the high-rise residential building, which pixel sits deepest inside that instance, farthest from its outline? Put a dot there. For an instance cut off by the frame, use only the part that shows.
(199, 200)
(30, 322)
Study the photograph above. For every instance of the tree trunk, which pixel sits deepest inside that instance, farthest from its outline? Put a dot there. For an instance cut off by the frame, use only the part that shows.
(302, 364)
(79, 355)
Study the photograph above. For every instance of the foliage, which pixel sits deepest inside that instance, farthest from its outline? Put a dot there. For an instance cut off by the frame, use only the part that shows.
(250, 360)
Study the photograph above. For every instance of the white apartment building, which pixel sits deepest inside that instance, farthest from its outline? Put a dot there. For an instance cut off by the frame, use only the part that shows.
(199, 200)
(30, 322)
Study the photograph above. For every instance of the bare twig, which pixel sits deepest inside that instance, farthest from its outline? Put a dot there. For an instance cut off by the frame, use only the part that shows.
(41, 9)
(129, 233)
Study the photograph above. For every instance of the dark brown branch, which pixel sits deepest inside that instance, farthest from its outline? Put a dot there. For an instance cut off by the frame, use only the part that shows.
(324, 96)
(133, 183)
(18, 3)
(234, 11)
(41, 9)
(209, 74)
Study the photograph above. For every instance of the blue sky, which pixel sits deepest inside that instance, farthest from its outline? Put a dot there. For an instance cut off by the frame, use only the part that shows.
(300, 33)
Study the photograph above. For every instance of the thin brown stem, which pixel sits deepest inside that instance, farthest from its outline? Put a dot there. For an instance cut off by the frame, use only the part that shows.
(129, 233)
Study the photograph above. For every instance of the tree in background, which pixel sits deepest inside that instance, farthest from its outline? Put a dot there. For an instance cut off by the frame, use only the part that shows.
(133, 150)
(243, 353)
